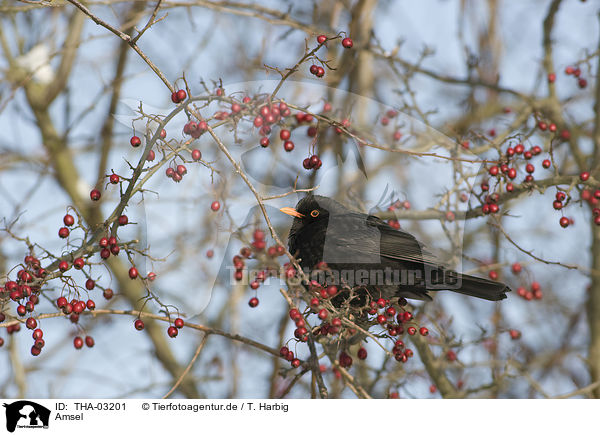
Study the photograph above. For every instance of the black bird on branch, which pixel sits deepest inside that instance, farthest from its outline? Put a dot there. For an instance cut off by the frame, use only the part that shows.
(364, 256)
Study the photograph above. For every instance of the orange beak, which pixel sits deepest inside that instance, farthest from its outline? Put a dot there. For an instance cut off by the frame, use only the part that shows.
(291, 211)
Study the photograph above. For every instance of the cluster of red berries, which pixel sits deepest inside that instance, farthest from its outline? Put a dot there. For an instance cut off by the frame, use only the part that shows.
(576, 73)
(316, 70)
(108, 245)
(397, 205)
(195, 129)
(177, 173)
(172, 331)
(178, 96)
(535, 293)
(289, 355)
(78, 342)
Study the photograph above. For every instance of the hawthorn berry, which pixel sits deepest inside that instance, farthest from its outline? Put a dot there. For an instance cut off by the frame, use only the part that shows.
(584, 176)
(68, 220)
(90, 304)
(196, 155)
(90, 284)
(546, 164)
(253, 302)
(78, 263)
(347, 43)
(123, 220)
(63, 266)
(63, 232)
(114, 178)
(31, 323)
(172, 331)
(89, 341)
(95, 195)
(564, 222)
(288, 145)
(362, 353)
(133, 273)
(138, 324)
(78, 342)
(514, 334)
(135, 141)
(178, 323)
(284, 134)
(423, 331)
(321, 39)
(215, 206)
(264, 142)
(151, 156)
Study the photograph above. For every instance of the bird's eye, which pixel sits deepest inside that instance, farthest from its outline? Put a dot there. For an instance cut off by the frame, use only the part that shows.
(314, 213)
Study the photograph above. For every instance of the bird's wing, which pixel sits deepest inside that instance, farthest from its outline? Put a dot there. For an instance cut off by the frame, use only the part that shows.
(351, 239)
(401, 245)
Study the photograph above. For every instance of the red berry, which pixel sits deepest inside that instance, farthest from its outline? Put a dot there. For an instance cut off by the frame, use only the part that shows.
(584, 176)
(258, 121)
(288, 145)
(63, 233)
(264, 142)
(172, 331)
(90, 284)
(78, 263)
(89, 341)
(61, 302)
(546, 164)
(582, 83)
(90, 304)
(123, 220)
(284, 134)
(135, 141)
(551, 77)
(451, 355)
(133, 273)
(63, 266)
(347, 43)
(321, 39)
(514, 334)
(31, 323)
(512, 173)
(362, 353)
(95, 195)
(323, 313)
(519, 148)
(196, 155)
(78, 342)
(253, 302)
(178, 323)
(215, 206)
(254, 285)
(68, 220)
(138, 324)
(564, 222)
(516, 268)
(314, 69)
(423, 330)
(181, 95)
(108, 293)
(529, 168)
(295, 363)
(151, 155)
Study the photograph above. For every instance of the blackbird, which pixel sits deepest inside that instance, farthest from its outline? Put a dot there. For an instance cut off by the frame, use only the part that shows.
(369, 259)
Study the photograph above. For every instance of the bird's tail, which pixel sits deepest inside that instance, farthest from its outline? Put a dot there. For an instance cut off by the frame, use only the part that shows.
(482, 288)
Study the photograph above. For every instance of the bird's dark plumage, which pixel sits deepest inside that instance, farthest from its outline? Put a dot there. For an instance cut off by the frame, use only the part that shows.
(355, 245)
